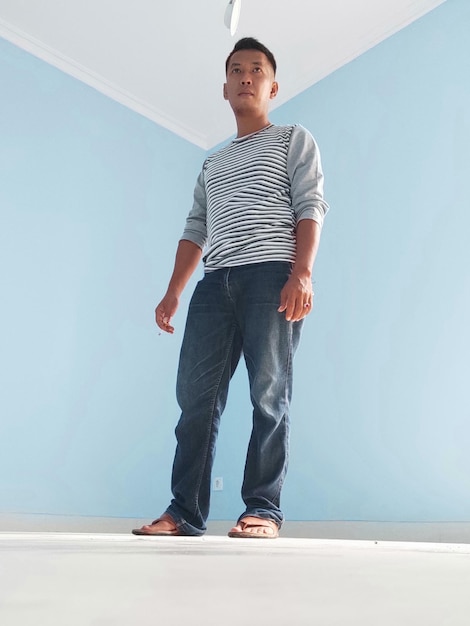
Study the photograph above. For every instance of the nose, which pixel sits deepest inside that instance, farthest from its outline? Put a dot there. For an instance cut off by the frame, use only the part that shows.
(245, 79)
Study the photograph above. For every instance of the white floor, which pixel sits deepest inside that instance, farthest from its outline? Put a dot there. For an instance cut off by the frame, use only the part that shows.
(47, 579)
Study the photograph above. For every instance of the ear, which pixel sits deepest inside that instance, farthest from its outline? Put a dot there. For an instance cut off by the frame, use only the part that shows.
(225, 92)
(274, 90)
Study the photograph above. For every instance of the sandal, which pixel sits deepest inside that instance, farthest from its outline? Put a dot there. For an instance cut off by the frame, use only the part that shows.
(245, 533)
(145, 530)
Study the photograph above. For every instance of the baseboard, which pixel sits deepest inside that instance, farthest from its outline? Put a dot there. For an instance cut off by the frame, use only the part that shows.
(434, 532)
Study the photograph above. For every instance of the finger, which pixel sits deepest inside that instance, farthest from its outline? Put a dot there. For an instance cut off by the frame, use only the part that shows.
(166, 326)
(307, 308)
(299, 311)
(283, 305)
(163, 320)
(302, 309)
(290, 309)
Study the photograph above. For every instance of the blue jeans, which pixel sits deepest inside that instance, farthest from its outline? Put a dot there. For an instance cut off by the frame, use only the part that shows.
(233, 311)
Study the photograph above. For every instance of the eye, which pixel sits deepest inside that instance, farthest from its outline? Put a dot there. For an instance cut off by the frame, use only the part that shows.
(257, 69)
(235, 70)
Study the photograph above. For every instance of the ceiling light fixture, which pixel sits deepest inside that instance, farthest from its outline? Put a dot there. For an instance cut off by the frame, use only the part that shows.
(232, 15)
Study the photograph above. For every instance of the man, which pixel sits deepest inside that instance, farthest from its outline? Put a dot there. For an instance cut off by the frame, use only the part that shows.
(258, 211)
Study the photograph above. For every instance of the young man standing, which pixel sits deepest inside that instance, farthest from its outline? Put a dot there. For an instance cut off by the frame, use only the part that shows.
(258, 211)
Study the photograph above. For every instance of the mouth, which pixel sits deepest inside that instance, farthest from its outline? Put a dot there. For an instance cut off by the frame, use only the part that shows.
(245, 93)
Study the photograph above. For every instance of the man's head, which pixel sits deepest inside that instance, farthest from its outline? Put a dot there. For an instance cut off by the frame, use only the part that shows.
(250, 43)
(250, 78)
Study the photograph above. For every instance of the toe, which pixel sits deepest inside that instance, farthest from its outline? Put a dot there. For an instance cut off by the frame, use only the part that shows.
(236, 529)
(258, 525)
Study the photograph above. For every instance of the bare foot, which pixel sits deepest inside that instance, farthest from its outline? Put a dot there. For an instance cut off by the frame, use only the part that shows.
(164, 525)
(257, 527)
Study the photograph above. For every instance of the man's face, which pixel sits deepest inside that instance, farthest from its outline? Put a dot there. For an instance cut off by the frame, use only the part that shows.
(250, 82)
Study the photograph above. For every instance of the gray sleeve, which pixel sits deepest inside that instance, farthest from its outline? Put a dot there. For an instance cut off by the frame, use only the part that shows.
(306, 177)
(195, 229)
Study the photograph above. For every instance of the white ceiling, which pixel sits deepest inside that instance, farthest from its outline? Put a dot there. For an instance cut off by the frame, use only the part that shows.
(165, 58)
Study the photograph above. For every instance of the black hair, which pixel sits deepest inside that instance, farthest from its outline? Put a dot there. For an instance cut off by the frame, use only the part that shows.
(250, 43)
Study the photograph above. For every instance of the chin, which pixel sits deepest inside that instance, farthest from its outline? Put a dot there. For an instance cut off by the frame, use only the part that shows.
(243, 109)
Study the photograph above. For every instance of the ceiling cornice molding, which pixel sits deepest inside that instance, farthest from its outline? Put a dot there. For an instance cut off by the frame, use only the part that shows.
(182, 106)
(58, 60)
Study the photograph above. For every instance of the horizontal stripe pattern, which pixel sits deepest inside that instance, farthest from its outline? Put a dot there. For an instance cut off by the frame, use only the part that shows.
(249, 218)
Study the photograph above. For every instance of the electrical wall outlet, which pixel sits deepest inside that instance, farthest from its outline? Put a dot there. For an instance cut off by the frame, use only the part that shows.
(218, 483)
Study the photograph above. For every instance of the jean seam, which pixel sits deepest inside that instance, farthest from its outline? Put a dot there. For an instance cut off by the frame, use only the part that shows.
(287, 401)
(211, 427)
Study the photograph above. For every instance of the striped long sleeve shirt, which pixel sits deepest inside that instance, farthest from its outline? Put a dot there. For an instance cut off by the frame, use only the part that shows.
(251, 194)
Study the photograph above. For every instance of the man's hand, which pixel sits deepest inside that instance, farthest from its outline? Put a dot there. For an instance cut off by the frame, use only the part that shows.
(188, 255)
(296, 297)
(297, 293)
(165, 311)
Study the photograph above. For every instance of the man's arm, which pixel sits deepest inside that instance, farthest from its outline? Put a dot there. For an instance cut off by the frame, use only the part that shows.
(187, 258)
(298, 292)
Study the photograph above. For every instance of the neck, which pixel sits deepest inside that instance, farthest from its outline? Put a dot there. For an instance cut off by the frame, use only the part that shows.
(248, 125)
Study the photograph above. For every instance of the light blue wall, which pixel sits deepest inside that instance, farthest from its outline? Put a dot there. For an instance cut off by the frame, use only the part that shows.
(93, 199)
(381, 412)
(388, 429)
